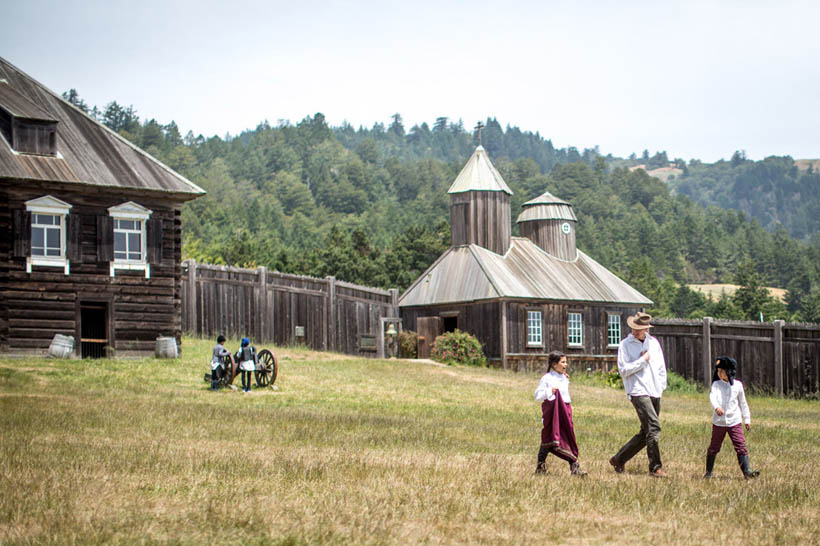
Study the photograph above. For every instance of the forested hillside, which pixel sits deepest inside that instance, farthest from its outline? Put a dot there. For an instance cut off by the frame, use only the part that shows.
(775, 191)
(370, 206)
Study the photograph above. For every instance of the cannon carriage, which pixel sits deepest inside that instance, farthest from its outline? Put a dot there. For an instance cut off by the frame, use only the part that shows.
(265, 373)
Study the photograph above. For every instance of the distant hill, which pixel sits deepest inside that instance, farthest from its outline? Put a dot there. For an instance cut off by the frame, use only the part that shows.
(774, 191)
(664, 173)
(804, 164)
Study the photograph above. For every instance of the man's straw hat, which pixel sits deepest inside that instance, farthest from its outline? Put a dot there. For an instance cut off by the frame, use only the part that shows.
(640, 321)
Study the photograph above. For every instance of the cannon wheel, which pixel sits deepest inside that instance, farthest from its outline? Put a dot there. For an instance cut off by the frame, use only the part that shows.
(266, 369)
(229, 370)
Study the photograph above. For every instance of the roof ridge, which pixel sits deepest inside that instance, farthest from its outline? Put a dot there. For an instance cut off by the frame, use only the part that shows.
(484, 268)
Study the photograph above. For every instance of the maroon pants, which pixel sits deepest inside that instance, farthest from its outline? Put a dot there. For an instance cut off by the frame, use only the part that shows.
(735, 434)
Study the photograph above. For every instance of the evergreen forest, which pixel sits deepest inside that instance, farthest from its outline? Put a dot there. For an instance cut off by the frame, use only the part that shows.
(370, 206)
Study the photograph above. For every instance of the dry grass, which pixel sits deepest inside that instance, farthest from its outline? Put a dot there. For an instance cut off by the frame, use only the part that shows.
(717, 290)
(372, 452)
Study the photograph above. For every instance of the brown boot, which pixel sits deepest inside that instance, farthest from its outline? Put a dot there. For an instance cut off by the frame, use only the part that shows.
(619, 468)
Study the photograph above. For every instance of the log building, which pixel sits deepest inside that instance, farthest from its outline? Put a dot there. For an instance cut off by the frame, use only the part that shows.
(522, 297)
(92, 246)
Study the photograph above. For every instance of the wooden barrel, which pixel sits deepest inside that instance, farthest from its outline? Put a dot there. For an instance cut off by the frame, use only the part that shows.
(61, 346)
(166, 347)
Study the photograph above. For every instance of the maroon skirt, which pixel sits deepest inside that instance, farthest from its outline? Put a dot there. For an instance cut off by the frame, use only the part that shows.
(558, 433)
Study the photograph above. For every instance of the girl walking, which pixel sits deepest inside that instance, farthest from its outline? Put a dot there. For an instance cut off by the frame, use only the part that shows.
(558, 434)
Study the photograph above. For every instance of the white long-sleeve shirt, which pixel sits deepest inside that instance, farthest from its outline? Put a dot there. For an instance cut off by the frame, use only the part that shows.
(641, 377)
(732, 398)
(552, 379)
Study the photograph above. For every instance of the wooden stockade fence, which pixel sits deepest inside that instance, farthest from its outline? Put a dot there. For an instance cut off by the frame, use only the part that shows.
(777, 357)
(326, 314)
(271, 307)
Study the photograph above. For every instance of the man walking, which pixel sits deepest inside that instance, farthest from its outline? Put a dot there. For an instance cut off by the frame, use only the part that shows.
(643, 369)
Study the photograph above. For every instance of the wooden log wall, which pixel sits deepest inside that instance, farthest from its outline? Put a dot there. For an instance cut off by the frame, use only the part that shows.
(272, 307)
(35, 306)
(554, 327)
(776, 357)
(537, 363)
(482, 218)
(479, 319)
(549, 236)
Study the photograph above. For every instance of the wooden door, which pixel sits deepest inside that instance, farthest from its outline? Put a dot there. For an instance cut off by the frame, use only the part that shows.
(429, 328)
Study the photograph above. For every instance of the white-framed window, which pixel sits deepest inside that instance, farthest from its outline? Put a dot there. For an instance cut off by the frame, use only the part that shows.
(48, 232)
(129, 238)
(575, 329)
(613, 330)
(535, 336)
(130, 252)
(47, 235)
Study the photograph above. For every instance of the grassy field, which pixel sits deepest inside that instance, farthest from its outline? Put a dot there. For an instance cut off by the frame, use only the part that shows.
(352, 451)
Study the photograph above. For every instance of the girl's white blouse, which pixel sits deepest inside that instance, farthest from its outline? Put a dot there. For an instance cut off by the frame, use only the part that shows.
(550, 380)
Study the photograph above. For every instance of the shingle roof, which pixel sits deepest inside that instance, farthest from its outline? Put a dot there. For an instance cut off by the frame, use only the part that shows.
(19, 106)
(479, 174)
(88, 152)
(471, 273)
(546, 207)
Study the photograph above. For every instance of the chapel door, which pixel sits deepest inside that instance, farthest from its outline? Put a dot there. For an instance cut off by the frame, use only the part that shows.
(429, 328)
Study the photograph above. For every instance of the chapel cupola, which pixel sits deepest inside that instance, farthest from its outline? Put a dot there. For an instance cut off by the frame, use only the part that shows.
(480, 205)
(550, 223)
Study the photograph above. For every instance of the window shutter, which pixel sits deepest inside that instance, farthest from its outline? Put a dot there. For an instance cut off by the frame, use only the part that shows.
(73, 249)
(105, 239)
(154, 236)
(22, 233)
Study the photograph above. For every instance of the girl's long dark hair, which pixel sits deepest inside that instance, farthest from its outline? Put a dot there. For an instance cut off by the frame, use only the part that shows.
(553, 358)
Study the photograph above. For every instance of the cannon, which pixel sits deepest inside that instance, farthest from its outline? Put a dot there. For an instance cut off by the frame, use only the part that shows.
(265, 373)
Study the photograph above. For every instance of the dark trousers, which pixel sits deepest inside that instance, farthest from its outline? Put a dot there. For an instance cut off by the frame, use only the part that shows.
(246, 385)
(216, 375)
(735, 435)
(648, 410)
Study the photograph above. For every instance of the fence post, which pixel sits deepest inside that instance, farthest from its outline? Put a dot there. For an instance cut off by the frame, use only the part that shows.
(193, 320)
(707, 351)
(503, 334)
(331, 325)
(262, 299)
(778, 356)
(394, 302)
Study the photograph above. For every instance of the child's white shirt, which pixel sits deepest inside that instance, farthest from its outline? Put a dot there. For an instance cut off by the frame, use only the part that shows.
(732, 398)
(550, 380)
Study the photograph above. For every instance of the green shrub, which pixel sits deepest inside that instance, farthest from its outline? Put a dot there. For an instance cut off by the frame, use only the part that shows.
(458, 348)
(674, 382)
(408, 344)
(613, 379)
(677, 383)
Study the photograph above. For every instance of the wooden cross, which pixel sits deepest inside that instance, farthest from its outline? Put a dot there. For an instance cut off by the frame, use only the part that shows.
(478, 127)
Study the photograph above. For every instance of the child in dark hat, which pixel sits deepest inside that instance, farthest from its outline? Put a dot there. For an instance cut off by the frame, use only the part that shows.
(219, 353)
(730, 410)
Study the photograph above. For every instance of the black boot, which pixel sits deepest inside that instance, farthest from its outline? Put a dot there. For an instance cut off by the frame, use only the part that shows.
(575, 470)
(541, 467)
(710, 464)
(748, 473)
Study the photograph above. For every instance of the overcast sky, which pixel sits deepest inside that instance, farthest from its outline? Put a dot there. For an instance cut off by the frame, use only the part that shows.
(698, 79)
